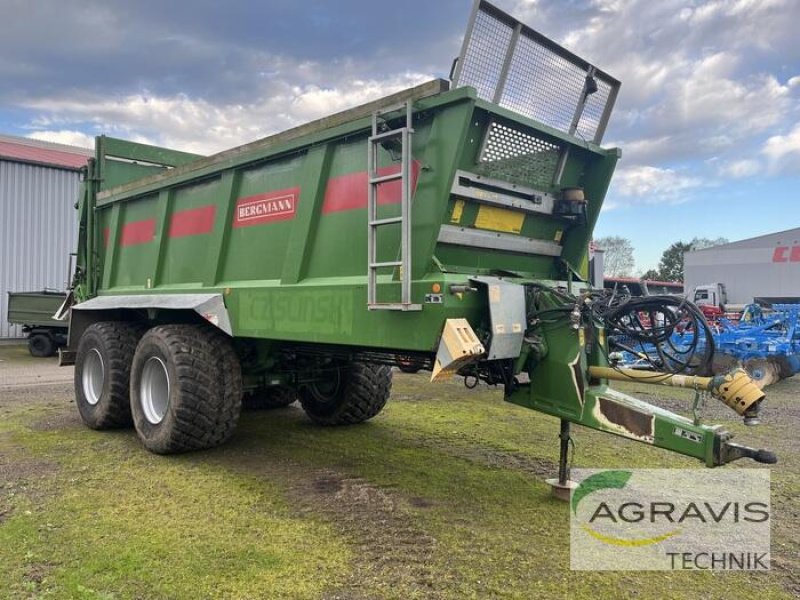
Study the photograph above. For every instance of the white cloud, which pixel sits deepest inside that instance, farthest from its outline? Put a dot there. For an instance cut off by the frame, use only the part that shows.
(738, 169)
(713, 95)
(645, 184)
(783, 151)
(196, 124)
(708, 79)
(64, 136)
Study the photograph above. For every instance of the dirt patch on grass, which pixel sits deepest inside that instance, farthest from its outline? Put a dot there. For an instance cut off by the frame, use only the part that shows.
(23, 478)
(61, 420)
(17, 470)
(499, 459)
(392, 553)
(474, 451)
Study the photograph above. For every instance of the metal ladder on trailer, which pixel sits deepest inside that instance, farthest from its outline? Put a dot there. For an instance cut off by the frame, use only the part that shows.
(375, 180)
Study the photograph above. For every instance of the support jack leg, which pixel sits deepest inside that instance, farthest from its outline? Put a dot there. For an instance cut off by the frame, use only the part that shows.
(563, 486)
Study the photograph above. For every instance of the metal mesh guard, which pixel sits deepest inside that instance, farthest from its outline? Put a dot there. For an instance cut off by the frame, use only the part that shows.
(517, 156)
(514, 66)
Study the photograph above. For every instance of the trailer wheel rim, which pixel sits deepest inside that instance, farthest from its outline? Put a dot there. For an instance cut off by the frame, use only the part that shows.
(93, 376)
(154, 390)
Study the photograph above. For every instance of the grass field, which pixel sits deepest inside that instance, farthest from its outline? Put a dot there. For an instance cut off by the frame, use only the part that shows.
(440, 496)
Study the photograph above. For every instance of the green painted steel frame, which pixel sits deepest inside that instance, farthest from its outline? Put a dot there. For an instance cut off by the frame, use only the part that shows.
(559, 387)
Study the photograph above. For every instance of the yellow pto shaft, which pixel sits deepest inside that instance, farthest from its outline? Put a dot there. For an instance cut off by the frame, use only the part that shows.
(734, 388)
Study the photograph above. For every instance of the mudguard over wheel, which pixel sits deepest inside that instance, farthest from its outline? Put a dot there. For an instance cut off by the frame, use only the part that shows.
(186, 388)
(278, 396)
(352, 394)
(102, 374)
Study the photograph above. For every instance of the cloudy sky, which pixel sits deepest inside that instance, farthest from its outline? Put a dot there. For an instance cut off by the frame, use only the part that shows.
(708, 116)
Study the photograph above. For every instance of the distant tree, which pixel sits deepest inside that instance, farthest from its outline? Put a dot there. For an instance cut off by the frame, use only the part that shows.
(651, 274)
(617, 255)
(700, 243)
(670, 267)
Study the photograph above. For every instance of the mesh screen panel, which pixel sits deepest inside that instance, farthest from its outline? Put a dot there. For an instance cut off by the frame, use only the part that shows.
(485, 56)
(517, 156)
(519, 69)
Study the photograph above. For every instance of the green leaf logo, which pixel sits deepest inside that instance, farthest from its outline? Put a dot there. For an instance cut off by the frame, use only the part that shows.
(599, 481)
(610, 480)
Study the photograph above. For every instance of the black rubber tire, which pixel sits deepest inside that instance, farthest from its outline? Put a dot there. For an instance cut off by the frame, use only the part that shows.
(764, 372)
(205, 388)
(361, 393)
(41, 345)
(115, 343)
(409, 368)
(279, 396)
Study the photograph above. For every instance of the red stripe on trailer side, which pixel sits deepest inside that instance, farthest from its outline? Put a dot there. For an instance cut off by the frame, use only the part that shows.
(349, 192)
(269, 207)
(194, 221)
(137, 232)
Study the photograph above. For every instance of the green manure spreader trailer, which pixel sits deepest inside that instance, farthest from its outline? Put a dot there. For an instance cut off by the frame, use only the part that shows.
(444, 227)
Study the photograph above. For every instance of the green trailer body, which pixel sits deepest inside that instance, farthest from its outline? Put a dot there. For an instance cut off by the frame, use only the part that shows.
(421, 229)
(298, 272)
(35, 311)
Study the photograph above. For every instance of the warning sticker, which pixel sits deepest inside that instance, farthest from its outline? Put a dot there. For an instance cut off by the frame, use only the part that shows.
(499, 219)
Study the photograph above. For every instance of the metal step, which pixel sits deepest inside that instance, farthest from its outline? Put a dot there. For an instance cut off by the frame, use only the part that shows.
(385, 178)
(388, 221)
(380, 265)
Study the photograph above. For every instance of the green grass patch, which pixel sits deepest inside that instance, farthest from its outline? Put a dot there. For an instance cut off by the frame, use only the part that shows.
(440, 496)
(117, 522)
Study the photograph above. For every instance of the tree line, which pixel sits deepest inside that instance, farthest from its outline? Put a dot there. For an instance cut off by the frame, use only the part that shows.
(618, 258)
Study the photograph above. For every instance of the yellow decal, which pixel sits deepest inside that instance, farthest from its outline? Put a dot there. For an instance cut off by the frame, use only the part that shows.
(494, 294)
(499, 219)
(558, 235)
(458, 209)
(581, 337)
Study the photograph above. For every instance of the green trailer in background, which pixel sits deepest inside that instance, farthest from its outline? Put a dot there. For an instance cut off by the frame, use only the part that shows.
(438, 228)
(35, 311)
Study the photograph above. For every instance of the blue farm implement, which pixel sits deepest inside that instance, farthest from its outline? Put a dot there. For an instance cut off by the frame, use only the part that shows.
(765, 344)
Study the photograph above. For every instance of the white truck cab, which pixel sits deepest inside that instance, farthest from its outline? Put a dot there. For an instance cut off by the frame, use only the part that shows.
(711, 294)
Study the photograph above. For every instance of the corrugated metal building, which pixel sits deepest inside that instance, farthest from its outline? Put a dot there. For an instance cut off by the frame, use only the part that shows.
(764, 266)
(38, 222)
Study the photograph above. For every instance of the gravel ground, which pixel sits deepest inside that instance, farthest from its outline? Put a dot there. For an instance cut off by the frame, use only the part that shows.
(20, 371)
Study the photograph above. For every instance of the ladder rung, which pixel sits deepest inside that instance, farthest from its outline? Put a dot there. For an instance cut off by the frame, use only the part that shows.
(387, 134)
(378, 265)
(388, 221)
(384, 178)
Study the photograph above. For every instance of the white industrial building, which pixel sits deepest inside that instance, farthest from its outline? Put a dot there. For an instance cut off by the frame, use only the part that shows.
(38, 221)
(767, 266)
